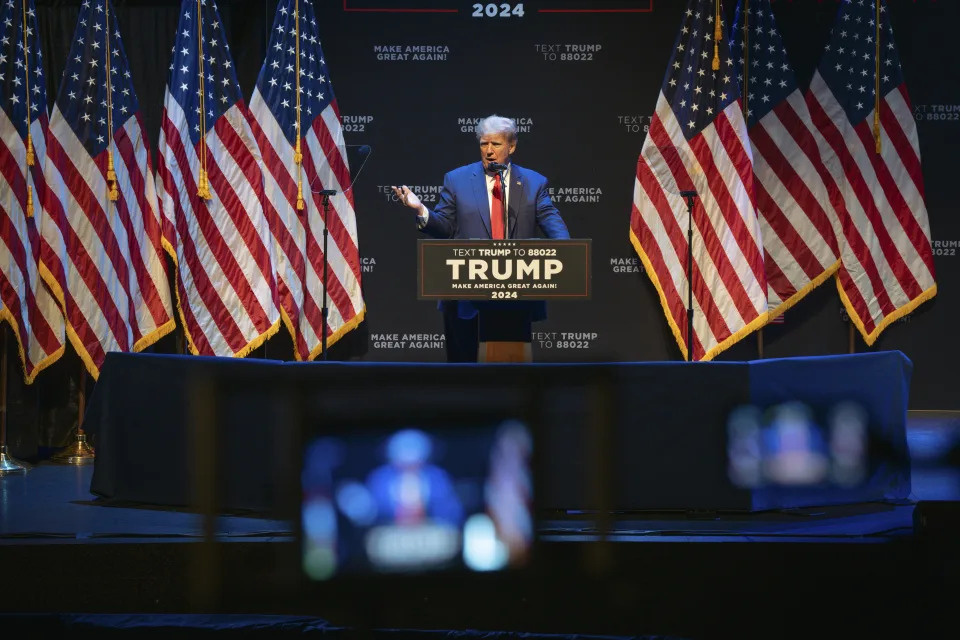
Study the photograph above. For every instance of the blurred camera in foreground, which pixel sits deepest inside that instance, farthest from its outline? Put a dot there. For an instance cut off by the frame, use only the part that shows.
(418, 500)
(793, 445)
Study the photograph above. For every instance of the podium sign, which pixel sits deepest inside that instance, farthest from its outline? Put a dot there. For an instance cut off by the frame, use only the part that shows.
(503, 269)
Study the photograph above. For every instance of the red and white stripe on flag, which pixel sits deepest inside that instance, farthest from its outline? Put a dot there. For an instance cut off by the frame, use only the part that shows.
(221, 241)
(299, 234)
(872, 150)
(294, 101)
(698, 144)
(104, 259)
(887, 257)
(224, 251)
(28, 306)
(798, 221)
(729, 287)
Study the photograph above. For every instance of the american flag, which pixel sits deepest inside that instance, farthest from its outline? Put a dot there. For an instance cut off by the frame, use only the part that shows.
(324, 166)
(887, 259)
(102, 234)
(28, 306)
(224, 248)
(798, 222)
(698, 141)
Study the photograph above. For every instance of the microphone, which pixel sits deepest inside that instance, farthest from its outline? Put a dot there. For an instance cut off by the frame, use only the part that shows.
(496, 166)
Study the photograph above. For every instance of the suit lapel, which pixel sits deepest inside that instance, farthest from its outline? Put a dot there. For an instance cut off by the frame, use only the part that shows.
(482, 203)
(515, 198)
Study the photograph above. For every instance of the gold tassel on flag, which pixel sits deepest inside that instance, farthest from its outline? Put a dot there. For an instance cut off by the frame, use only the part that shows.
(114, 193)
(298, 158)
(29, 201)
(203, 186)
(30, 154)
(717, 36)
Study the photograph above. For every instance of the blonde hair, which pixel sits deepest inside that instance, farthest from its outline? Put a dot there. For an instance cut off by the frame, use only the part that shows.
(498, 124)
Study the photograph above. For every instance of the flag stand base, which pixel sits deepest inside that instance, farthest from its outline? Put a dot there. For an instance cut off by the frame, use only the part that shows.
(10, 465)
(78, 453)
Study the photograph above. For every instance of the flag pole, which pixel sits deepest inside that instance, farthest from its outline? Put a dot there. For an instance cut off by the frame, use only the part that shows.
(80, 452)
(876, 85)
(326, 193)
(31, 156)
(203, 184)
(746, 110)
(113, 193)
(717, 36)
(8, 464)
(297, 154)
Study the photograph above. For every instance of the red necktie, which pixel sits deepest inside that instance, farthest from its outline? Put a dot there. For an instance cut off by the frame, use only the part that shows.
(496, 210)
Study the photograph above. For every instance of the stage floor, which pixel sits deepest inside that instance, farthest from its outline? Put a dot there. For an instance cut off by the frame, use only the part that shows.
(72, 552)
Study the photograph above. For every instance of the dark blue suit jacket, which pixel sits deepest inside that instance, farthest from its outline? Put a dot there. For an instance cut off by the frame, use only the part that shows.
(464, 208)
(464, 212)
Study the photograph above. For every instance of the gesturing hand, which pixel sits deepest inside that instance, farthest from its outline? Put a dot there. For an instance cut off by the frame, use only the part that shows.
(407, 197)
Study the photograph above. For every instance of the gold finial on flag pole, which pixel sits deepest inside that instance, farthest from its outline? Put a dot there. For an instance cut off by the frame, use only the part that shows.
(297, 154)
(717, 36)
(876, 84)
(203, 184)
(113, 192)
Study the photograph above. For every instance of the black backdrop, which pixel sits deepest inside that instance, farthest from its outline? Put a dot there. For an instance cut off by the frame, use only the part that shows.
(411, 77)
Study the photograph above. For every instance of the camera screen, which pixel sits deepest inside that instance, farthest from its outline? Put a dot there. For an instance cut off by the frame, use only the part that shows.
(794, 444)
(417, 499)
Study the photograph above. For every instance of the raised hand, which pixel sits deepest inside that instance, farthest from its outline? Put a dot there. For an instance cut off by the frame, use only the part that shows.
(407, 197)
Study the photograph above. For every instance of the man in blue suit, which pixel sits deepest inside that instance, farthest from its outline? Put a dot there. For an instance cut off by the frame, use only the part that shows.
(471, 206)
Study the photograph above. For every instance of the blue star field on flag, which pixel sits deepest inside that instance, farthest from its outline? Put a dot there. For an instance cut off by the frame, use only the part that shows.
(82, 98)
(849, 62)
(219, 79)
(695, 91)
(277, 81)
(14, 64)
(770, 77)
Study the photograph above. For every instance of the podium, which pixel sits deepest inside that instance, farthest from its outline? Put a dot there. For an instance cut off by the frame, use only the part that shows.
(508, 282)
(505, 329)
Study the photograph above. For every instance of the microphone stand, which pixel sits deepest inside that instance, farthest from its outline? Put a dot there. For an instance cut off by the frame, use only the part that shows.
(689, 195)
(324, 310)
(503, 195)
(327, 193)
